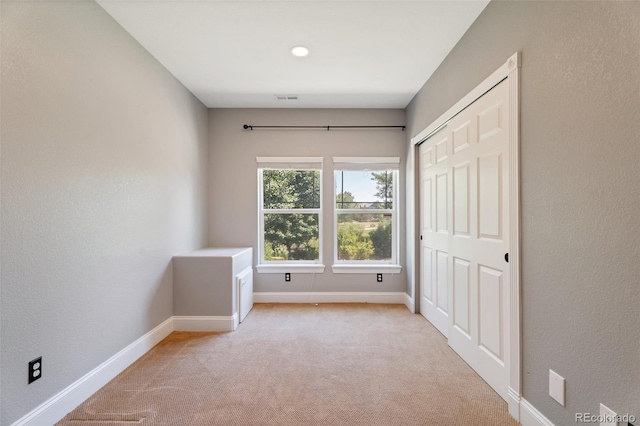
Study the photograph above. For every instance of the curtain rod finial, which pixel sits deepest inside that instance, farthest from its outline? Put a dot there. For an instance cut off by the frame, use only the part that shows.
(247, 126)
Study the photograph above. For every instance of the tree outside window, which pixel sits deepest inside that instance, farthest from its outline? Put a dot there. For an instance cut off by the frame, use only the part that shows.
(365, 213)
(290, 215)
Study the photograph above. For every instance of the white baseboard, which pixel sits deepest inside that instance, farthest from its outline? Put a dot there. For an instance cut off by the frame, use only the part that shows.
(410, 303)
(203, 323)
(58, 406)
(530, 416)
(396, 298)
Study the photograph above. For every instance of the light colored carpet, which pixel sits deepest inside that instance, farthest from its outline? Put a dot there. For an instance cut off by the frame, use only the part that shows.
(328, 364)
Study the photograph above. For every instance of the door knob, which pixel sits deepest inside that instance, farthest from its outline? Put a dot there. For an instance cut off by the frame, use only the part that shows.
(506, 257)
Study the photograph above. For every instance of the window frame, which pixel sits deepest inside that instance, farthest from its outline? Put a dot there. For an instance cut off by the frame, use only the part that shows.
(288, 163)
(374, 164)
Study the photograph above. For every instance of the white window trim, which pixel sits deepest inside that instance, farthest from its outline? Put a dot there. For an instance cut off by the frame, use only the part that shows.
(314, 268)
(366, 163)
(366, 269)
(290, 163)
(368, 266)
(283, 266)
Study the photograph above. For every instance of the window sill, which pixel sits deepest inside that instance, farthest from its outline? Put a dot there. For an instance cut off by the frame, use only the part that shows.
(298, 269)
(366, 269)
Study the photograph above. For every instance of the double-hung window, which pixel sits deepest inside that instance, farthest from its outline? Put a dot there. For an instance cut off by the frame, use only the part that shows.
(366, 237)
(290, 214)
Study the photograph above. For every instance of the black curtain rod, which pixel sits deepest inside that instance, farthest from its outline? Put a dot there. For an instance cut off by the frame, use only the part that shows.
(250, 127)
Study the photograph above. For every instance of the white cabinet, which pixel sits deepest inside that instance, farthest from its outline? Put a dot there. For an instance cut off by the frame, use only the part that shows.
(212, 288)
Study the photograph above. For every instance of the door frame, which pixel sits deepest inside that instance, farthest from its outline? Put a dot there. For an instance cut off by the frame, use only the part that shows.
(510, 71)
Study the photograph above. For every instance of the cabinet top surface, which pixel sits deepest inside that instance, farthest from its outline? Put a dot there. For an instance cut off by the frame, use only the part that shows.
(216, 252)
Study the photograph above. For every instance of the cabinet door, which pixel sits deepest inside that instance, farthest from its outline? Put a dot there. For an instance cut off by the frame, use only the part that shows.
(244, 282)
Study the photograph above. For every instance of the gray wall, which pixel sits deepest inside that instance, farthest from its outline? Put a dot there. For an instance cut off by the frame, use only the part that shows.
(580, 184)
(103, 180)
(233, 180)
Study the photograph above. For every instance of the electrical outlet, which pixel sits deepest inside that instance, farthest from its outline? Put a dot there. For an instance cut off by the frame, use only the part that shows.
(35, 369)
(379, 278)
(556, 387)
(287, 277)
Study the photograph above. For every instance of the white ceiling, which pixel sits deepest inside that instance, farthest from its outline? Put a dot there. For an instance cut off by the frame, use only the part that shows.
(364, 54)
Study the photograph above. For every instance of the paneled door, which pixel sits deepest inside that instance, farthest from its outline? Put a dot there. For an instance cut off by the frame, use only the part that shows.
(465, 234)
(434, 230)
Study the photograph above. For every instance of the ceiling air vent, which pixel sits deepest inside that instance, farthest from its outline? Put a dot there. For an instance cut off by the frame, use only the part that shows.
(286, 97)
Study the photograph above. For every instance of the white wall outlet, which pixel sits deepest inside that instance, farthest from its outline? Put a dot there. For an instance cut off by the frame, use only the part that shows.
(556, 387)
(609, 418)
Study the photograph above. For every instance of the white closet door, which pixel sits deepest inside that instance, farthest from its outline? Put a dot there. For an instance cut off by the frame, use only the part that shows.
(479, 324)
(434, 225)
(471, 236)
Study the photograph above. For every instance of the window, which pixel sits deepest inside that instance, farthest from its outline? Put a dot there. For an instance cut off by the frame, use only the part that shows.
(290, 214)
(366, 214)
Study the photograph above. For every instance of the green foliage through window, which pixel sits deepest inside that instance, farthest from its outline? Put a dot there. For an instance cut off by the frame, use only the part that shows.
(291, 215)
(381, 239)
(353, 244)
(364, 236)
(291, 189)
(365, 209)
(384, 188)
(290, 235)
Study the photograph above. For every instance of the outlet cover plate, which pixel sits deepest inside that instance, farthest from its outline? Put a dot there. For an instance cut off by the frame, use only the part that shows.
(556, 387)
(609, 417)
(35, 369)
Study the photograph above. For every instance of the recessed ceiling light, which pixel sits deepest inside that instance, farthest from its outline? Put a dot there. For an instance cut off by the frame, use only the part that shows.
(300, 51)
